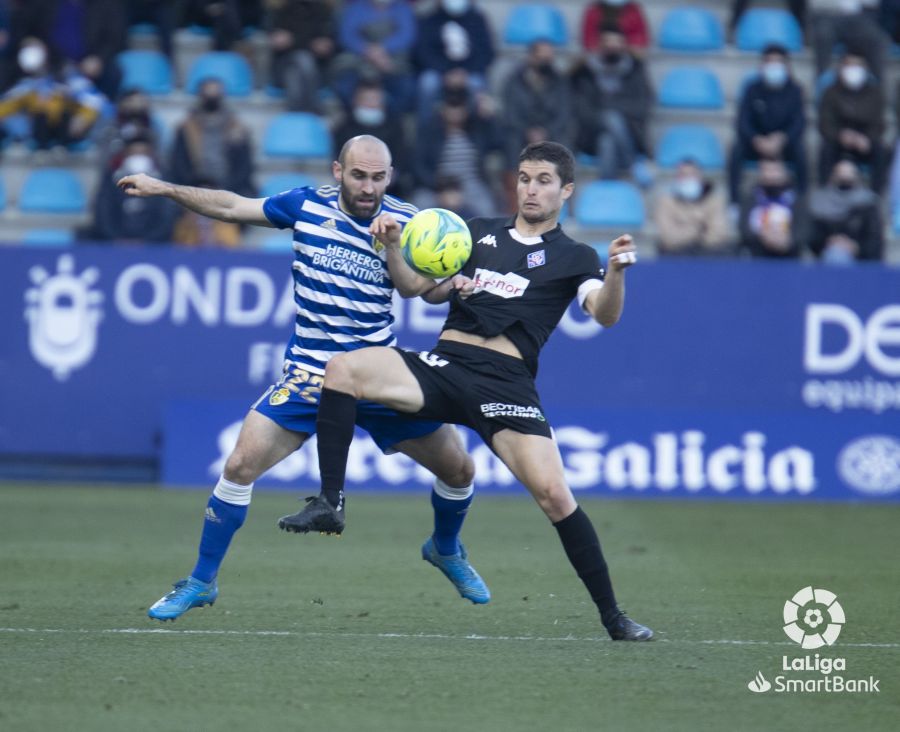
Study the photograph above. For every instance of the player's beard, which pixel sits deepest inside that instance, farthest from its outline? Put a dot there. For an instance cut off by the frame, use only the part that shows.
(351, 203)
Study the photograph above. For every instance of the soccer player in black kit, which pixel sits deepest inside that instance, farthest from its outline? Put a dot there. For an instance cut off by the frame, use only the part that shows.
(511, 294)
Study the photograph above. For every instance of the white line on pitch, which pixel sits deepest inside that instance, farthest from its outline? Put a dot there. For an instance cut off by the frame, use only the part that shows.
(412, 636)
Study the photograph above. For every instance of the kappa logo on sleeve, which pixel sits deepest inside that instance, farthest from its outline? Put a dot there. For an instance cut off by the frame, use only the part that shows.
(503, 285)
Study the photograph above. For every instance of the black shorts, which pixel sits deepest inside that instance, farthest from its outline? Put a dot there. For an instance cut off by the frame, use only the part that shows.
(478, 388)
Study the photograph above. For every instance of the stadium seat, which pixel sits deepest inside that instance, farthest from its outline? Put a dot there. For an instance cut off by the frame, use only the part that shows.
(529, 23)
(52, 191)
(275, 184)
(297, 135)
(148, 71)
(758, 27)
(691, 87)
(691, 29)
(696, 142)
(230, 68)
(607, 204)
(48, 237)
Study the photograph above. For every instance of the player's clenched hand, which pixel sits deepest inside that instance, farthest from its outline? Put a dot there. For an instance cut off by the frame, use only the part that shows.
(622, 253)
(142, 185)
(462, 283)
(386, 229)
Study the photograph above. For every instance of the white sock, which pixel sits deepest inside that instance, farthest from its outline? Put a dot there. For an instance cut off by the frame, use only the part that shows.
(451, 493)
(234, 493)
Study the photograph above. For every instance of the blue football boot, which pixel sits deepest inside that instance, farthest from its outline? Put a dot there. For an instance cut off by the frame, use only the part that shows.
(187, 593)
(458, 570)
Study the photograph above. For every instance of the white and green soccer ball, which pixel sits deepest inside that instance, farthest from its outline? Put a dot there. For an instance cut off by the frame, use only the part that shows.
(436, 243)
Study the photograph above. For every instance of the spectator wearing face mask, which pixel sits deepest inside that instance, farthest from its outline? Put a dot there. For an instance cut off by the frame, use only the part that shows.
(851, 121)
(692, 217)
(613, 99)
(377, 37)
(455, 36)
(132, 121)
(122, 218)
(845, 218)
(212, 145)
(537, 105)
(770, 121)
(625, 16)
(853, 24)
(456, 143)
(302, 44)
(771, 217)
(368, 115)
(61, 110)
(85, 35)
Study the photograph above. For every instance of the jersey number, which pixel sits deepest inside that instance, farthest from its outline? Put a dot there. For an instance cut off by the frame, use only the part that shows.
(432, 360)
(304, 384)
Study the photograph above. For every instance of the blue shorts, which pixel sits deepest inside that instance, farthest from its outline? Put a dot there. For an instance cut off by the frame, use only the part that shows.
(293, 403)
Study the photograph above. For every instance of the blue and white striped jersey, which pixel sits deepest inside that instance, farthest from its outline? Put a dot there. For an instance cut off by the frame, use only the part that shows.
(342, 287)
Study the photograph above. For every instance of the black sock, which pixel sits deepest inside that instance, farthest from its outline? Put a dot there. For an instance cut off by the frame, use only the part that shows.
(583, 549)
(334, 426)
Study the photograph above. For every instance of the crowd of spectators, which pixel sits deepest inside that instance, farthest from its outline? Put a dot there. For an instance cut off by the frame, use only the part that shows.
(421, 76)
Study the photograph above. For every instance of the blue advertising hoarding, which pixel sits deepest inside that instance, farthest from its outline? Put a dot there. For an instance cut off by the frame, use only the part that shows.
(107, 352)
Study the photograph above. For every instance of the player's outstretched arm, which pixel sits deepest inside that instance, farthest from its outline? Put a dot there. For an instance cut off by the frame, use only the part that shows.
(605, 304)
(222, 205)
(407, 281)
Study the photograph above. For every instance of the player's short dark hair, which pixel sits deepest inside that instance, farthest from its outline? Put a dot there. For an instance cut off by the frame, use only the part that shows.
(551, 152)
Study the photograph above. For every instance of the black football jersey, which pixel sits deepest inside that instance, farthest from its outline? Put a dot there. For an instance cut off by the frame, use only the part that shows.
(522, 285)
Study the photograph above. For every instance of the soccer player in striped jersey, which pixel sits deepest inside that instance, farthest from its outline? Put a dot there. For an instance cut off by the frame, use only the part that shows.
(343, 291)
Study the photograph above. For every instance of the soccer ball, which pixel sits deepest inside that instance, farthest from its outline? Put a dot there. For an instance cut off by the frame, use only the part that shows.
(436, 243)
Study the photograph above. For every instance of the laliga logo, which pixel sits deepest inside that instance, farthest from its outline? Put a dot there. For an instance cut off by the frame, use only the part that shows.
(813, 618)
(63, 312)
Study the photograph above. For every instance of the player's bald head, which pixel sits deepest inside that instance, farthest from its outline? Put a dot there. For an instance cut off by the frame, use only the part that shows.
(366, 147)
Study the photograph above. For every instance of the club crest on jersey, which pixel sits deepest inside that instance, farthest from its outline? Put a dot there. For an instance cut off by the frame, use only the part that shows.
(279, 396)
(536, 259)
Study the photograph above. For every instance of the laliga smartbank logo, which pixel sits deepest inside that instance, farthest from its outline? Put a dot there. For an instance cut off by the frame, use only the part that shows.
(813, 618)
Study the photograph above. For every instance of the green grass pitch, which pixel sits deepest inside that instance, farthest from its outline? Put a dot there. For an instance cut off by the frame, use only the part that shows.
(357, 633)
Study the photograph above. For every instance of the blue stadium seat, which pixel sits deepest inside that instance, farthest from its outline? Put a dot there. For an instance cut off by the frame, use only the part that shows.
(760, 26)
(297, 135)
(230, 68)
(275, 184)
(696, 142)
(52, 191)
(148, 71)
(691, 29)
(48, 237)
(529, 23)
(691, 87)
(609, 204)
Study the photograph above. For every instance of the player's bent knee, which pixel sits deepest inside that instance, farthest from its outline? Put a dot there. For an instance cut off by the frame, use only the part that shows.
(462, 475)
(238, 469)
(555, 500)
(339, 374)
